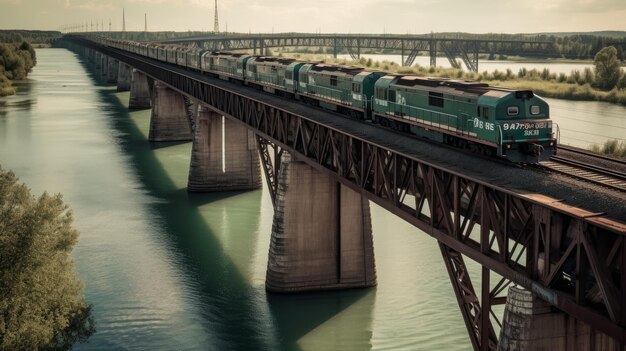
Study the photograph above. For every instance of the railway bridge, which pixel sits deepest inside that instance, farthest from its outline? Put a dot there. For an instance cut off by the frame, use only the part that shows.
(409, 46)
(558, 266)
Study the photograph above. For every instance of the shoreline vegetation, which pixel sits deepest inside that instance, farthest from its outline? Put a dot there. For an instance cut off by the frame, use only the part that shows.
(18, 57)
(610, 147)
(578, 85)
(42, 303)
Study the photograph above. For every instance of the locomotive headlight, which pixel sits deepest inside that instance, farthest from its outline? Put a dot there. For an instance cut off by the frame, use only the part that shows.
(535, 110)
(507, 146)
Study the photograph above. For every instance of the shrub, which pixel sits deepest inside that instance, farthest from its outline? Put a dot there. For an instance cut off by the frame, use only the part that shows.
(611, 147)
(522, 72)
(588, 76)
(607, 67)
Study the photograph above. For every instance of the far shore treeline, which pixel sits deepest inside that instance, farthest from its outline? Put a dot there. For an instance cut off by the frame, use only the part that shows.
(17, 55)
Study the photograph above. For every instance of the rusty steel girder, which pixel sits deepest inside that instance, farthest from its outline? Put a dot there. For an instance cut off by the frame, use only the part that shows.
(573, 259)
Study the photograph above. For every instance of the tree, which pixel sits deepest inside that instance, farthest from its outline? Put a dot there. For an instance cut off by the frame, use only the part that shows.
(607, 68)
(41, 299)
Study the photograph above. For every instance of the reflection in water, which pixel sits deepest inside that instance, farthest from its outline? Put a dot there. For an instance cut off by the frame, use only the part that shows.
(584, 123)
(322, 321)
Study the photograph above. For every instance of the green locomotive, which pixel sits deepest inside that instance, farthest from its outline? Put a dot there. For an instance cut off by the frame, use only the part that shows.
(508, 123)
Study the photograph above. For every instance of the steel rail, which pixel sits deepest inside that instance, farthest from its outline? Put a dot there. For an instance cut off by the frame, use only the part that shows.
(614, 159)
(587, 172)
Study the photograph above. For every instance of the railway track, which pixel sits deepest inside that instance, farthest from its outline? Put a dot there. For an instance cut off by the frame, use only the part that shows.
(593, 154)
(588, 172)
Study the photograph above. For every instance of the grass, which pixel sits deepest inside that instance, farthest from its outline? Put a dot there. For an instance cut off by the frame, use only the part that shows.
(575, 86)
(611, 147)
(566, 91)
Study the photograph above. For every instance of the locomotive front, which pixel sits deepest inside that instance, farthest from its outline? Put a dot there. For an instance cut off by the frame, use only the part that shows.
(522, 121)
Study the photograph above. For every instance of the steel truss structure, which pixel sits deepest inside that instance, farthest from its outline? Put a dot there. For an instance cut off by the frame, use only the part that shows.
(573, 259)
(409, 45)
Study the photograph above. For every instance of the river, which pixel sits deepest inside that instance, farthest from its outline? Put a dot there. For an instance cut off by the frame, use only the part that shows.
(168, 270)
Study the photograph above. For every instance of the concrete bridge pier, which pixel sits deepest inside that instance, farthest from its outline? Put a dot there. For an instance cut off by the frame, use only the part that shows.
(224, 155)
(91, 55)
(112, 71)
(105, 66)
(532, 324)
(124, 77)
(140, 91)
(169, 120)
(321, 235)
(98, 59)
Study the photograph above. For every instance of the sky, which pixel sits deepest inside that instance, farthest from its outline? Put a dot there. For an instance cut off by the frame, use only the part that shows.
(325, 16)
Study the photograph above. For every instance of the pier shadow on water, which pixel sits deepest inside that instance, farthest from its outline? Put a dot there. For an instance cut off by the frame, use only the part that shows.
(235, 311)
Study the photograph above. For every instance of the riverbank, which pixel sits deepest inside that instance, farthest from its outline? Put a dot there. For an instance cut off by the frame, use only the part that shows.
(16, 61)
(574, 86)
(17, 55)
(611, 147)
(565, 91)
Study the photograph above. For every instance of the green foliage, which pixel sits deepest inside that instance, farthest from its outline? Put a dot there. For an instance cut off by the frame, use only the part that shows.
(575, 86)
(607, 68)
(41, 299)
(589, 77)
(31, 36)
(16, 61)
(611, 147)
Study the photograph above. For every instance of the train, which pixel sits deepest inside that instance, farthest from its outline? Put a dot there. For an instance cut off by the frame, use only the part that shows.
(510, 124)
